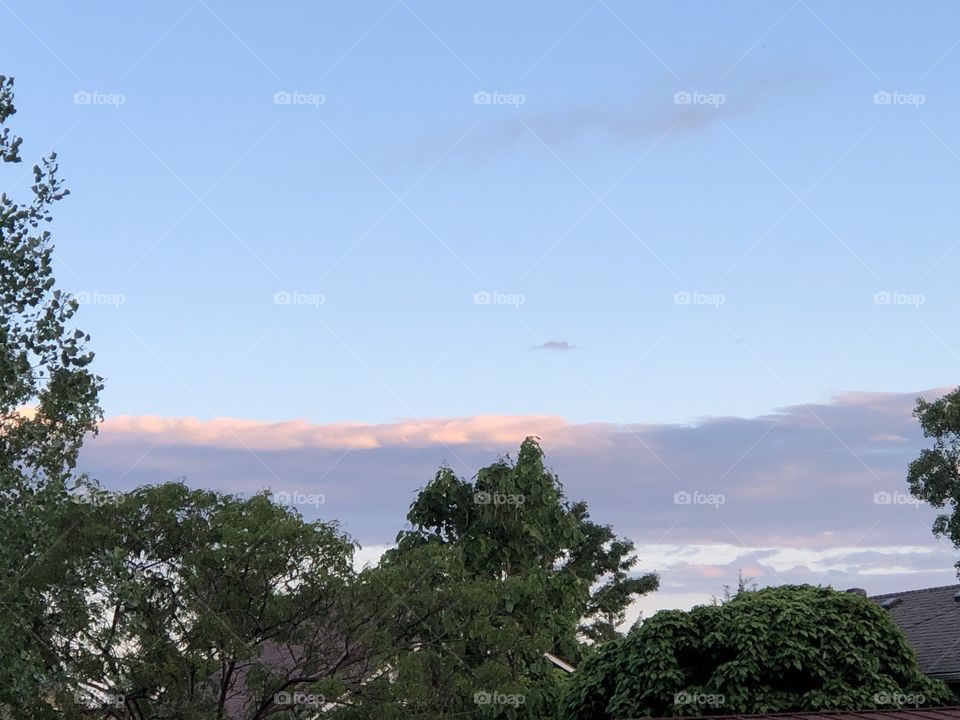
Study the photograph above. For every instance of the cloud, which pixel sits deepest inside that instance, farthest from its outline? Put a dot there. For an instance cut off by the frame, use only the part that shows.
(555, 346)
(809, 493)
(254, 435)
(662, 106)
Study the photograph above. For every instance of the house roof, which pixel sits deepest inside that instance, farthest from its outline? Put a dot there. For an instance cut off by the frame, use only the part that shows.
(947, 713)
(930, 618)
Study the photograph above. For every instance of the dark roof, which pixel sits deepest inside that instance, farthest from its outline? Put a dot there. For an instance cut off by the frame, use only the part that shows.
(947, 713)
(930, 618)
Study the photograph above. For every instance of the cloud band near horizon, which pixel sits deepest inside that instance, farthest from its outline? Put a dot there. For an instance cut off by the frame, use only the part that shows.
(813, 492)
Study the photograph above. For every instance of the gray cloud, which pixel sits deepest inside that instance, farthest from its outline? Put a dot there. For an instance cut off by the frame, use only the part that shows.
(555, 346)
(661, 106)
(811, 492)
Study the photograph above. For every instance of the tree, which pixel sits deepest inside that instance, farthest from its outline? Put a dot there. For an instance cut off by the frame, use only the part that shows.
(934, 476)
(493, 574)
(778, 649)
(743, 585)
(197, 605)
(48, 403)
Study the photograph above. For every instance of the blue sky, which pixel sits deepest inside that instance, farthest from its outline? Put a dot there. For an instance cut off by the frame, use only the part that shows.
(698, 248)
(792, 201)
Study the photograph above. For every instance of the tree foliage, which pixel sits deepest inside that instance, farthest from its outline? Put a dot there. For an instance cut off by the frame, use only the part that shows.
(743, 585)
(197, 605)
(48, 395)
(934, 476)
(493, 574)
(779, 649)
(48, 403)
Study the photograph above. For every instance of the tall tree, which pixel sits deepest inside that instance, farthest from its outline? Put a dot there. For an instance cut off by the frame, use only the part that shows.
(495, 573)
(934, 476)
(779, 649)
(48, 403)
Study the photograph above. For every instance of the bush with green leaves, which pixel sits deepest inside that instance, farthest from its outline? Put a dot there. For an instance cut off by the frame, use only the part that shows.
(779, 649)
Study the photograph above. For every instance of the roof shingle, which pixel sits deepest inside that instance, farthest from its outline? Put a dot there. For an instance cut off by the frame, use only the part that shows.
(930, 618)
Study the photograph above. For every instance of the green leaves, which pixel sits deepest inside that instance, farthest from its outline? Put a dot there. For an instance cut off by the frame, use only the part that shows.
(493, 574)
(186, 599)
(934, 476)
(48, 403)
(779, 649)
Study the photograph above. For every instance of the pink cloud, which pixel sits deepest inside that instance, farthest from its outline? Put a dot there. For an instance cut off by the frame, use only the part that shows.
(711, 571)
(485, 430)
(292, 434)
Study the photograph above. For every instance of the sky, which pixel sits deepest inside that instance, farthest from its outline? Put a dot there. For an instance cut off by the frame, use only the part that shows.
(372, 237)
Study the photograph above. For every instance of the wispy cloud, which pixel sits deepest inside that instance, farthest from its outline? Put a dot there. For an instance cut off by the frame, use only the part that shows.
(684, 107)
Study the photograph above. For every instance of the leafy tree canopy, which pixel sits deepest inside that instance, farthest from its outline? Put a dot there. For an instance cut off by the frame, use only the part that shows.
(48, 403)
(493, 574)
(196, 605)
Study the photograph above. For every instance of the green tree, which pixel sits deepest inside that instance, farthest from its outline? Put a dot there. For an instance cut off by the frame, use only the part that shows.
(202, 606)
(493, 574)
(934, 476)
(779, 649)
(48, 403)
(743, 585)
